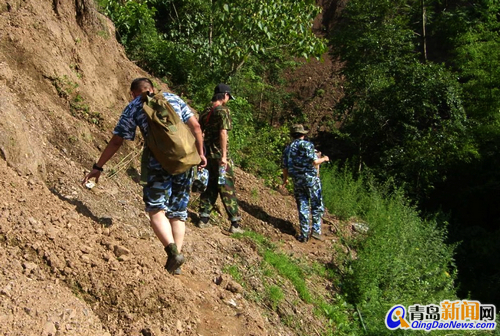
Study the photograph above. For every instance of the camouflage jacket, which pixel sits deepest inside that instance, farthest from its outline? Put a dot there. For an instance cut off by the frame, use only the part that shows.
(298, 158)
(212, 121)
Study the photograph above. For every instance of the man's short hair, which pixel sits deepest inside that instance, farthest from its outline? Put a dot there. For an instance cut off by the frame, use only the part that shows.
(218, 96)
(141, 83)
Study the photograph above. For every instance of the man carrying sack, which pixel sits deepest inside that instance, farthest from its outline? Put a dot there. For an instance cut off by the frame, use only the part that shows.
(168, 181)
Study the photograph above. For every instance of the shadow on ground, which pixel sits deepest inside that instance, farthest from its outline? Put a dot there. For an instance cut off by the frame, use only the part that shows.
(284, 226)
(84, 210)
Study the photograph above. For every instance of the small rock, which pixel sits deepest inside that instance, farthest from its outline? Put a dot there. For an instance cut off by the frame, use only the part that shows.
(6, 290)
(51, 234)
(232, 303)
(86, 249)
(360, 227)
(179, 326)
(146, 332)
(49, 329)
(124, 258)
(29, 266)
(225, 282)
(120, 250)
(156, 331)
(85, 258)
(234, 287)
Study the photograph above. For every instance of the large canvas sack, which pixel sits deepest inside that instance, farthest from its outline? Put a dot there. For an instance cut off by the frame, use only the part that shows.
(169, 139)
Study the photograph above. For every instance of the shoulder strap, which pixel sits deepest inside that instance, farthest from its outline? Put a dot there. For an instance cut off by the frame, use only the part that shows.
(208, 116)
(157, 107)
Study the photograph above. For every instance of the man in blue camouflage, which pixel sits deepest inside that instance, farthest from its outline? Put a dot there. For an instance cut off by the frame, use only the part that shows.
(301, 163)
(166, 196)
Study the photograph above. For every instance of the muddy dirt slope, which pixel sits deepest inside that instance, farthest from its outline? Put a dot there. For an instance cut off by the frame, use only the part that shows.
(75, 261)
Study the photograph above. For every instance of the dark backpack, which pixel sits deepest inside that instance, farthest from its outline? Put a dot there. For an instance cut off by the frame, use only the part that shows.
(169, 139)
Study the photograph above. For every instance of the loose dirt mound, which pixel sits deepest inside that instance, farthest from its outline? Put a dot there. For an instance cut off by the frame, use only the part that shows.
(85, 262)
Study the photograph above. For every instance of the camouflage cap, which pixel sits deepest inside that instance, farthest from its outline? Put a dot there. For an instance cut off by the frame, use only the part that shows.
(298, 129)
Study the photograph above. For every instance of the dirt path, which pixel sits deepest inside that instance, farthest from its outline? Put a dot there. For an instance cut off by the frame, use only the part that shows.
(102, 269)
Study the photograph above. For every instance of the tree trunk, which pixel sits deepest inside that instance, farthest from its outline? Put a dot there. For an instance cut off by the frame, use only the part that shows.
(424, 37)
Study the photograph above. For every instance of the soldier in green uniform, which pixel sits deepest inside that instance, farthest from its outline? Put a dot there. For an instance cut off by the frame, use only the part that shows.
(215, 123)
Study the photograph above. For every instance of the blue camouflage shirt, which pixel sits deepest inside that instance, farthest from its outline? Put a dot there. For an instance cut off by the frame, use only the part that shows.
(133, 116)
(298, 158)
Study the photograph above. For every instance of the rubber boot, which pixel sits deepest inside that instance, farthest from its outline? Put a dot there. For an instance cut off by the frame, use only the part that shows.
(174, 260)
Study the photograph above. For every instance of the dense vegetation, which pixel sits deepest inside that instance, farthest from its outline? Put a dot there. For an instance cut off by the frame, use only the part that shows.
(420, 115)
(422, 107)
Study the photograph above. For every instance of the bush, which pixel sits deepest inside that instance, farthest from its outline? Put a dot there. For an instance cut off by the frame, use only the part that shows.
(343, 192)
(256, 147)
(402, 259)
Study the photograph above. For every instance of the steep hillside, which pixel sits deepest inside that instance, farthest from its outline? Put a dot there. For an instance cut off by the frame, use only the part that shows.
(85, 262)
(317, 85)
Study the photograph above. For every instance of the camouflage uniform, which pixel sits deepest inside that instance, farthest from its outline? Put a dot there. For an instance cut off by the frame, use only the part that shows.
(212, 121)
(298, 158)
(162, 190)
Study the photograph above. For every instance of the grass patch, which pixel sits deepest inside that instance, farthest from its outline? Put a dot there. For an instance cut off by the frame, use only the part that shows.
(234, 272)
(402, 259)
(274, 295)
(276, 265)
(289, 269)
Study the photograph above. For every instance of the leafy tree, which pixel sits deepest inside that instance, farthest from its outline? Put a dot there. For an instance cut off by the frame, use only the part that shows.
(225, 34)
(405, 117)
(430, 117)
(471, 32)
(196, 42)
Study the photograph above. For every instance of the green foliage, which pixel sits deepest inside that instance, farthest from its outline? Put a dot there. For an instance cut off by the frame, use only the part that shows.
(344, 192)
(256, 147)
(224, 35)
(196, 42)
(341, 319)
(275, 295)
(404, 118)
(430, 122)
(290, 270)
(234, 272)
(402, 259)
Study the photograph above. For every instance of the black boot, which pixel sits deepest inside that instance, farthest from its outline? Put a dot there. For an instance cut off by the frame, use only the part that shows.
(174, 260)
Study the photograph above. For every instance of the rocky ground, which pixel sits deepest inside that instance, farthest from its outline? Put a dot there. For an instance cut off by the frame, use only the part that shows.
(76, 261)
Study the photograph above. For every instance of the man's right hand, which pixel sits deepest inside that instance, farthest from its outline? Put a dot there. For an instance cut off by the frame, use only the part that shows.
(223, 162)
(203, 162)
(94, 173)
(326, 158)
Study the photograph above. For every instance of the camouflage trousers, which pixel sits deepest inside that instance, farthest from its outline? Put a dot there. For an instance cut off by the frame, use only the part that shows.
(168, 192)
(226, 191)
(309, 200)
